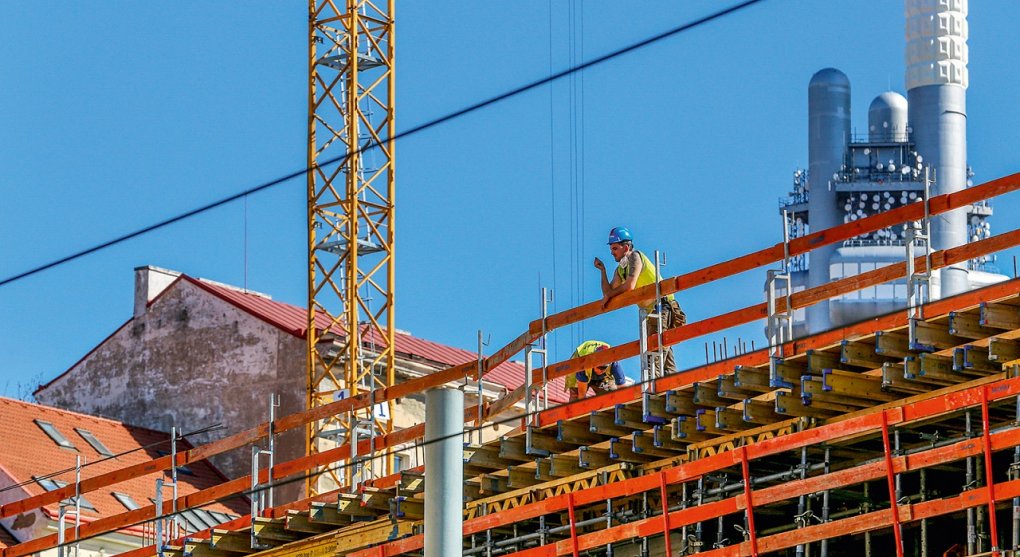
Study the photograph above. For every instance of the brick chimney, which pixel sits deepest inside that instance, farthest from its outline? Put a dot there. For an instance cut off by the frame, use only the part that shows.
(149, 282)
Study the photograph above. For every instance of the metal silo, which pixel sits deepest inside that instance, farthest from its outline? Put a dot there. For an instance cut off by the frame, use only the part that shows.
(887, 118)
(828, 133)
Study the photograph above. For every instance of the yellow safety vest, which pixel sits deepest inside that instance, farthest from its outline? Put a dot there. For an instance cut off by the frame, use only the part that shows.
(587, 347)
(649, 275)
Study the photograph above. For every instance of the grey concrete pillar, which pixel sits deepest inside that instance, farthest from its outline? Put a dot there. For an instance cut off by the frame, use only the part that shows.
(444, 472)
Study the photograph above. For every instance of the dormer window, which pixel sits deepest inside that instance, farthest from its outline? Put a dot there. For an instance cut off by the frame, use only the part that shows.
(126, 500)
(55, 435)
(94, 441)
(183, 469)
(50, 484)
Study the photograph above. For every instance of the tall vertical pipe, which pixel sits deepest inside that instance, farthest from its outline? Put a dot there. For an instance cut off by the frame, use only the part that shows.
(828, 134)
(866, 508)
(936, 79)
(444, 460)
(924, 521)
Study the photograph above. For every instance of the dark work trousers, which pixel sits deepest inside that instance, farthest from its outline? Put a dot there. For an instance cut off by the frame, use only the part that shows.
(672, 317)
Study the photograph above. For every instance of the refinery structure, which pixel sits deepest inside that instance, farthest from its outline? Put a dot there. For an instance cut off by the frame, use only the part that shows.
(880, 416)
(914, 148)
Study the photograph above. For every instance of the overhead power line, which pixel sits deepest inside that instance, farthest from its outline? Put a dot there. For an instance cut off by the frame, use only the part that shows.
(408, 132)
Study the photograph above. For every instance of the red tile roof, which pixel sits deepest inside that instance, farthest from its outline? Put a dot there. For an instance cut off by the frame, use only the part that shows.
(293, 319)
(27, 452)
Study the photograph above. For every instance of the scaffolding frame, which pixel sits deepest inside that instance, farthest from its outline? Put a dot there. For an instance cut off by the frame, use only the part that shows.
(664, 386)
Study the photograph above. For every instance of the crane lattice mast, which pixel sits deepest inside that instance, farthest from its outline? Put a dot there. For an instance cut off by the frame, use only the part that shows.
(350, 229)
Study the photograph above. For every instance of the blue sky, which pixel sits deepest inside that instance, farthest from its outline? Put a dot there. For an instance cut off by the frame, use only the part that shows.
(119, 114)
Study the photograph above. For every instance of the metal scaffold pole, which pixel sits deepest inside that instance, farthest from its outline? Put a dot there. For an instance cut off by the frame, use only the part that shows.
(779, 324)
(918, 284)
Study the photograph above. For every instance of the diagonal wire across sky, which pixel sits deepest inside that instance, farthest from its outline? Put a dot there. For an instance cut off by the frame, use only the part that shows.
(715, 16)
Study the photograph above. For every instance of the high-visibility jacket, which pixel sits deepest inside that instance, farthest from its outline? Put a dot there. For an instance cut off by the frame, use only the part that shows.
(587, 347)
(649, 275)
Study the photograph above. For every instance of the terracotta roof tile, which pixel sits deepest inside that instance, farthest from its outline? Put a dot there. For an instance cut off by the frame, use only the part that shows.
(28, 453)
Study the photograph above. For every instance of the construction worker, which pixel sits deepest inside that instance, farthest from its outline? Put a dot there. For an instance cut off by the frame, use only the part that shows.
(634, 270)
(600, 379)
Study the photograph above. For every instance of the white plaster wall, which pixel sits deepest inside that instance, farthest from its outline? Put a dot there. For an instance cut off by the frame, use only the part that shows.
(192, 360)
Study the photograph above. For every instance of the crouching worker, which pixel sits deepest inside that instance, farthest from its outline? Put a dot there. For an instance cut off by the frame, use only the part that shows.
(600, 379)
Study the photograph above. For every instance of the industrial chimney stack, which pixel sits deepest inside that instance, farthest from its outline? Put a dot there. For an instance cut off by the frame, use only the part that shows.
(936, 80)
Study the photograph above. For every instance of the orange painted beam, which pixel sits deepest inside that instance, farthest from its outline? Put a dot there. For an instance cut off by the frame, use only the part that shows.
(797, 246)
(879, 519)
(586, 405)
(736, 317)
(210, 494)
(868, 423)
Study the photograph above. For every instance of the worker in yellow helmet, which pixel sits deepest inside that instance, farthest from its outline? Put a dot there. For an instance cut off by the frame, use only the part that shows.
(601, 379)
(634, 270)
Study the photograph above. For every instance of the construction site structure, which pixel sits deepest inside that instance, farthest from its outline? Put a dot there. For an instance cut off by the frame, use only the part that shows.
(896, 435)
(350, 229)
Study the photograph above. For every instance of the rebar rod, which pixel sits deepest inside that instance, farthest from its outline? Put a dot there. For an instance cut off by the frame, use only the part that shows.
(802, 500)
(866, 507)
(924, 521)
(969, 484)
(825, 506)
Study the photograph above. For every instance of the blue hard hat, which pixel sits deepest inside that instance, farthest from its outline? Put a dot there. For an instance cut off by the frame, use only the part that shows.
(620, 234)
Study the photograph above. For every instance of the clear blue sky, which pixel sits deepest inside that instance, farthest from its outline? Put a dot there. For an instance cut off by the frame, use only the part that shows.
(118, 114)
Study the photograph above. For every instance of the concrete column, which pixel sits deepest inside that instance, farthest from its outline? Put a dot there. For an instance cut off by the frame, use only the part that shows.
(444, 472)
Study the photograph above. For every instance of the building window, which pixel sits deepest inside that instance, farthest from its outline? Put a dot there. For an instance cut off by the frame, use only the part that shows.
(401, 462)
(180, 469)
(195, 524)
(210, 522)
(47, 484)
(126, 500)
(221, 517)
(94, 441)
(50, 484)
(57, 437)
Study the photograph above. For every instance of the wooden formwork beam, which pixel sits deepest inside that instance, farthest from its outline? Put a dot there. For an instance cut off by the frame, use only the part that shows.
(854, 426)
(938, 204)
(893, 345)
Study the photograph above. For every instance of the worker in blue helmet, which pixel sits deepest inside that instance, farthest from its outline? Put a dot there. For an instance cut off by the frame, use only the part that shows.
(635, 270)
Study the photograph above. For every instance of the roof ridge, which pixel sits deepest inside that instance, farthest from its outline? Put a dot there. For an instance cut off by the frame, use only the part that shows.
(4, 399)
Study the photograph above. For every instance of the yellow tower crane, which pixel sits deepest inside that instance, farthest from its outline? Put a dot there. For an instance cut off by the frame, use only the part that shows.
(350, 228)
